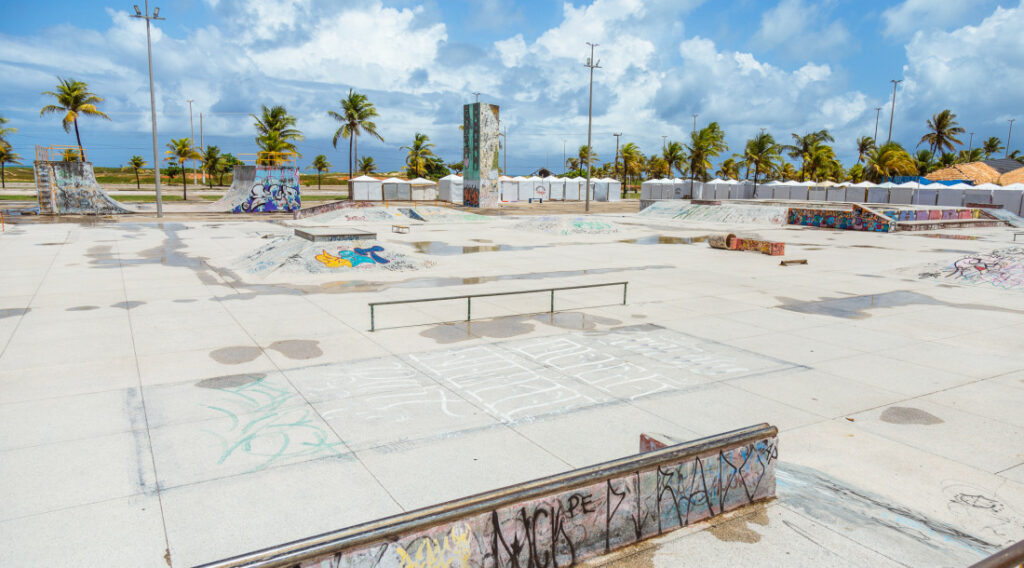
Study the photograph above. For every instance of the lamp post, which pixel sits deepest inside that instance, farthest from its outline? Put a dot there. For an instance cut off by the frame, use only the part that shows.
(695, 122)
(152, 100)
(590, 64)
(892, 110)
(970, 145)
(1008, 134)
(617, 135)
(878, 111)
(192, 137)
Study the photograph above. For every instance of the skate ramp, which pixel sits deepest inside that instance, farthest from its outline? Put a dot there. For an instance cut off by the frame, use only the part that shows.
(261, 189)
(730, 213)
(70, 188)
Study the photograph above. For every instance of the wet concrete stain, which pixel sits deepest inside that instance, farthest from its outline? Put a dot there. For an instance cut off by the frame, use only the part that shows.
(857, 307)
(482, 240)
(82, 308)
(501, 328)
(639, 316)
(575, 320)
(230, 381)
(739, 530)
(235, 355)
(13, 312)
(298, 348)
(49, 244)
(908, 415)
(127, 305)
(665, 240)
(941, 236)
(184, 301)
(438, 248)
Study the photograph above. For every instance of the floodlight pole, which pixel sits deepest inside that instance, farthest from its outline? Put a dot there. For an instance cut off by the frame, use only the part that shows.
(617, 159)
(970, 145)
(152, 102)
(590, 64)
(695, 122)
(878, 111)
(1010, 133)
(192, 137)
(892, 110)
(563, 157)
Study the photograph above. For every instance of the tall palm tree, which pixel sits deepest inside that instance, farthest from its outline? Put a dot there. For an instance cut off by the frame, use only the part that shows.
(587, 157)
(367, 166)
(968, 156)
(455, 167)
(864, 145)
(276, 119)
(320, 164)
(74, 100)
(889, 160)
(5, 130)
(212, 161)
(856, 173)
(729, 169)
(925, 162)
(657, 167)
(136, 163)
(179, 150)
(763, 154)
(7, 156)
(572, 163)
(705, 144)
(943, 130)
(675, 157)
(821, 162)
(632, 162)
(419, 152)
(802, 146)
(356, 112)
(1016, 155)
(788, 172)
(993, 145)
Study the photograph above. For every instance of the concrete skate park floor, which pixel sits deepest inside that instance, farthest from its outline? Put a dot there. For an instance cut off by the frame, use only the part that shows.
(158, 405)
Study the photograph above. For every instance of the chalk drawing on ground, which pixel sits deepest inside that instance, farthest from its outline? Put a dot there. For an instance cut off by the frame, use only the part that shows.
(566, 225)
(295, 254)
(1003, 268)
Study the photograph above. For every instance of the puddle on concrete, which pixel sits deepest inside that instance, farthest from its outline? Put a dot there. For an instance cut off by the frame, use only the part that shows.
(501, 328)
(298, 348)
(482, 240)
(438, 248)
(235, 355)
(82, 308)
(230, 381)
(813, 248)
(871, 275)
(575, 320)
(739, 530)
(941, 236)
(184, 301)
(665, 240)
(856, 307)
(49, 244)
(13, 312)
(639, 316)
(127, 305)
(908, 415)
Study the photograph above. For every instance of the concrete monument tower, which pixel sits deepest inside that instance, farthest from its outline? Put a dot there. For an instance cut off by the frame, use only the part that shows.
(480, 155)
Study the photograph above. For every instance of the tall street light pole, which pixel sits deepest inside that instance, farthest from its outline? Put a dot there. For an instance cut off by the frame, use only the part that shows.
(878, 111)
(590, 64)
(892, 110)
(616, 135)
(563, 157)
(1010, 133)
(970, 145)
(202, 142)
(152, 101)
(192, 137)
(695, 122)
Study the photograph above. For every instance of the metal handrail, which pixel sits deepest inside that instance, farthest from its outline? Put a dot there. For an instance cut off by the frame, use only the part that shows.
(1011, 557)
(469, 298)
(292, 553)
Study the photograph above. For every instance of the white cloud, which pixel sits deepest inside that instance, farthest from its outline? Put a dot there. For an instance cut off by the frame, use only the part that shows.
(912, 15)
(511, 50)
(793, 25)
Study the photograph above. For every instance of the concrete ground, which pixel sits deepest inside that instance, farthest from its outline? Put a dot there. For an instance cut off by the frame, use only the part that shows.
(162, 404)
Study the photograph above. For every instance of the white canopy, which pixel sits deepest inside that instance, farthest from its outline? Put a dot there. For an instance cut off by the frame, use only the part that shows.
(421, 181)
(961, 185)
(989, 186)
(365, 178)
(393, 180)
(863, 184)
(887, 185)
(451, 177)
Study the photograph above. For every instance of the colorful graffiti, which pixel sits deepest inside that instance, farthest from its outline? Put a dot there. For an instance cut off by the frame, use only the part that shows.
(353, 258)
(765, 247)
(273, 189)
(999, 269)
(77, 191)
(580, 522)
(332, 206)
(857, 219)
(480, 155)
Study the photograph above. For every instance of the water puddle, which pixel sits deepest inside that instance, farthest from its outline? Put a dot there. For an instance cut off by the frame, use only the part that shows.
(81, 308)
(575, 320)
(857, 307)
(908, 415)
(438, 248)
(230, 381)
(665, 240)
(500, 328)
(235, 355)
(13, 312)
(941, 236)
(298, 348)
(127, 305)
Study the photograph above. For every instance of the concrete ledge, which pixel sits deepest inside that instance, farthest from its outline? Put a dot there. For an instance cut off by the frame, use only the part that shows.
(330, 234)
(557, 520)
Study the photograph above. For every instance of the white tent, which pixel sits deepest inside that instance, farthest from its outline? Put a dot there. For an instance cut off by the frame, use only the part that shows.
(572, 188)
(798, 190)
(423, 189)
(949, 196)
(614, 189)
(1009, 198)
(926, 194)
(988, 186)
(974, 195)
(366, 188)
(899, 195)
(524, 188)
(833, 191)
(877, 194)
(647, 187)
(508, 188)
(678, 188)
(449, 188)
(539, 188)
(556, 188)
(396, 189)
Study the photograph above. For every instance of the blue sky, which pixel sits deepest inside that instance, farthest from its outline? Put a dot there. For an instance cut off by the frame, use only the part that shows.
(784, 65)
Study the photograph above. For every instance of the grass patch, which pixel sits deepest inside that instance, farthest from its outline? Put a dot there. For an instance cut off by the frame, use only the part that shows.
(17, 197)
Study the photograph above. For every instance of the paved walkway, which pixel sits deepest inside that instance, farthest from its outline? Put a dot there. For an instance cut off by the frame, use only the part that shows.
(159, 403)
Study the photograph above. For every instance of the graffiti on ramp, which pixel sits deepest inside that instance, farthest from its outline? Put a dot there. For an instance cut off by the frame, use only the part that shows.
(272, 189)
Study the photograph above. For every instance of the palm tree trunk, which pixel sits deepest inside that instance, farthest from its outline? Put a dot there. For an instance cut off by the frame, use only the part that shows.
(318, 180)
(184, 181)
(137, 186)
(3, 181)
(351, 140)
(81, 152)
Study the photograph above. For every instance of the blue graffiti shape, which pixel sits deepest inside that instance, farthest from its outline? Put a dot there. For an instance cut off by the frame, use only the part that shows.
(372, 253)
(354, 258)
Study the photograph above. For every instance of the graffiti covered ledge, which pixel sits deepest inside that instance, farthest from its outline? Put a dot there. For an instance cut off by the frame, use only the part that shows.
(557, 520)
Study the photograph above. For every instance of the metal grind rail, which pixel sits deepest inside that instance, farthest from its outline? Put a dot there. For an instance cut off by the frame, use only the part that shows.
(469, 298)
(1010, 557)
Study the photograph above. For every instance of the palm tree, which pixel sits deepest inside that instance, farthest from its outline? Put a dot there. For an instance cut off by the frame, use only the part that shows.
(763, 154)
(367, 166)
(71, 155)
(729, 169)
(572, 163)
(925, 162)
(419, 152)
(675, 157)
(136, 163)
(856, 173)
(179, 150)
(74, 100)
(802, 147)
(864, 145)
(821, 162)
(947, 159)
(7, 156)
(455, 167)
(5, 130)
(356, 112)
(943, 129)
(889, 160)
(273, 144)
(788, 172)
(1016, 155)
(227, 164)
(657, 167)
(992, 146)
(968, 156)
(320, 164)
(632, 162)
(705, 144)
(276, 119)
(587, 157)
(211, 159)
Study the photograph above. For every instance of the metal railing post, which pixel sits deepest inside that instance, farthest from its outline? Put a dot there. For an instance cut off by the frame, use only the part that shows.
(469, 308)
(371, 317)
(552, 300)
(625, 285)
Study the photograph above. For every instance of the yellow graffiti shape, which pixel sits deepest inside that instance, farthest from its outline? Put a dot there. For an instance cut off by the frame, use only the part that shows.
(452, 552)
(331, 261)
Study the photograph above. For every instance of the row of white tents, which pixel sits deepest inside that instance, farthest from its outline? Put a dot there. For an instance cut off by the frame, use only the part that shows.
(449, 188)
(1011, 197)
